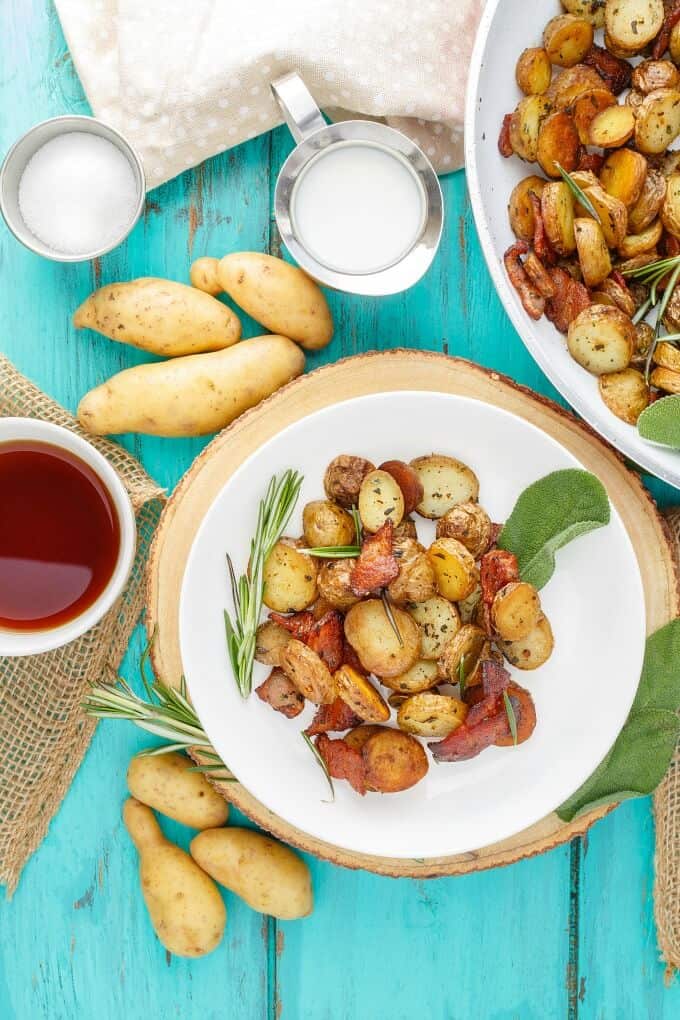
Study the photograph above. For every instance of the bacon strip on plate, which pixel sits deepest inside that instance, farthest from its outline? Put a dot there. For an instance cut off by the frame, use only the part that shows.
(335, 717)
(326, 638)
(532, 300)
(279, 692)
(343, 762)
(497, 568)
(376, 565)
(570, 298)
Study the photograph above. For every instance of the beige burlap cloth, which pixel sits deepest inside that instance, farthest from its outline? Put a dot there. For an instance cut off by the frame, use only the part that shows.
(43, 733)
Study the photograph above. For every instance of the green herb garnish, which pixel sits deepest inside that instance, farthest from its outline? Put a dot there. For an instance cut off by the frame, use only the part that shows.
(512, 718)
(652, 275)
(358, 526)
(247, 591)
(390, 616)
(332, 552)
(462, 681)
(319, 757)
(578, 193)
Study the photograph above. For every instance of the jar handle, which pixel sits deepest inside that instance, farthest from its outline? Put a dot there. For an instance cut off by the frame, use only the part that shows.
(300, 112)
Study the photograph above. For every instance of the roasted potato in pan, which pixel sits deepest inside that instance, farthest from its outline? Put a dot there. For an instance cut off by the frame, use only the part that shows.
(623, 175)
(525, 126)
(602, 339)
(651, 75)
(520, 208)
(533, 650)
(343, 478)
(431, 715)
(361, 696)
(591, 10)
(611, 292)
(326, 523)
(394, 761)
(587, 107)
(270, 640)
(557, 210)
(289, 578)
(334, 583)
(467, 607)
(407, 480)
(438, 621)
(466, 647)
(557, 141)
(612, 212)
(674, 44)
(640, 244)
(649, 204)
(446, 481)
(515, 610)
(370, 633)
(307, 672)
(593, 253)
(611, 127)
(667, 355)
(670, 210)
(470, 524)
(380, 499)
(666, 379)
(657, 122)
(625, 393)
(631, 24)
(568, 85)
(566, 39)
(533, 71)
(422, 676)
(455, 571)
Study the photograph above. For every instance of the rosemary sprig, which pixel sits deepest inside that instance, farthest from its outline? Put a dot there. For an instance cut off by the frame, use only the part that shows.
(247, 591)
(391, 617)
(332, 552)
(324, 768)
(578, 193)
(663, 304)
(512, 718)
(358, 526)
(462, 682)
(652, 275)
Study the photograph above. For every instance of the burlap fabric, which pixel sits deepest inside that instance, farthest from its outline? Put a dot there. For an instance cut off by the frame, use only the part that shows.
(43, 733)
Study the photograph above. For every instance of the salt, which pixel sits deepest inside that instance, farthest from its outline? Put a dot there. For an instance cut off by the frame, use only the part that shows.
(78, 193)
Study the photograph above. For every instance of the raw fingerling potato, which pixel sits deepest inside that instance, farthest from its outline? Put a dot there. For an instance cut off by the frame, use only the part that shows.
(455, 571)
(602, 339)
(360, 695)
(520, 208)
(625, 393)
(191, 396)
(533, 71)
(431, 715)
(203, 275)
(370, 633)
(184, 904)
(567, 38)
(446, 481)
(166, 783)
(279, 296)
(380, 500)
(631, 24)
(289, 579)
(159, 316)
(267, 875)
(394, 761)
(326, 523)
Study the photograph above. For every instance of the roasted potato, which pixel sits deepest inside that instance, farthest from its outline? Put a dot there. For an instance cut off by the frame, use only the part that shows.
(649, 204)
(557, 142)
(557, 210)
(326, 523)
(466, 647)
(343, 478)
(361, 696)
(666, 379)
(571, 83)
(525, 126)
(394, 761)
(623, 175)
(270, 640)
(415, 581)
(407, 480)
(587, 107)
(657, 122)
(591, 10)
(674, 43)
(289, 578)
(357, 737)
(470, 524)
(446, 482)
(631, 24)
(334, 583)
(380, 500)
(370, 633)
(612, 212)
(601, 339)
(515, 610)
(651, 75)
(533, 650)
(625, 393)
(431, 715)
(438, 621)
(593, 253)
(567, 38)
(468, 607)
(455, 572)
(169, 783)
(611, 127)
(520, 208)
(533, 71)
(422, 676)
(640, 244)
(667, 355)
(308, 672)
(611, 292)
(670, 210)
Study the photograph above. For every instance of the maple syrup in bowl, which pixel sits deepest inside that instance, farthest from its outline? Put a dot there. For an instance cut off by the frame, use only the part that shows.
(67, 536)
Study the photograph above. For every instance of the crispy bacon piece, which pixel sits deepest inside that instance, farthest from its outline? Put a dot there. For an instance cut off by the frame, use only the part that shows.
(671, 245)
(278, 691)
(664, 37)
(616, 72)
(350, 657)
(539, 275)
(299, 624)
(504, 145)
(326, 638)
(541, 244)
(467, 741)
(497, 568)
(525, 716)
(532, 300)
(335, 717)
(343, 761)
(570, 298)
(495, 679)
(377, 564)
(590, 161)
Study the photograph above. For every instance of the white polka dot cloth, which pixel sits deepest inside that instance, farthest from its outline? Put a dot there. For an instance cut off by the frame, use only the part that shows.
(186, 79)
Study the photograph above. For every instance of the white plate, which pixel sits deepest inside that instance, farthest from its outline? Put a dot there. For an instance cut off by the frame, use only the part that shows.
(507, 27)
(583, 694)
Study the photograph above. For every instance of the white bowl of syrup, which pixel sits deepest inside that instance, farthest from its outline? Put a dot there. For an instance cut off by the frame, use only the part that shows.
(67, 536)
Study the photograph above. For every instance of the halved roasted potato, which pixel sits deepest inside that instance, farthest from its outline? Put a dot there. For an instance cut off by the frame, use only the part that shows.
(667, 355)
(415, 581)
(611, 127)
(360, 695)
(470, 524)
(631, 24)
(422, 676)
(357, 737)
(466, 648)
(289, 578)
(455, 572)
(557, 210)
(520, 207)
(525, 125)
(533, 71)
(651, 75)
(587, 107)
(623, 175)
(625, 393)
(644, 336)
(326, 523)
(670, 210)
(380, 500)
(468, 607)
(308, 672)
(334, 583)
(649, 204)
(343, 478)
(407, 480)
(666, 379)
(612, 212)
(602, 339)
(515, 610)
(640, 244)
(446, 481)
(533, 650)
(270, 640)
(438, 621)
(394, 761)
(431, 715)
(567, 38)
(557, 142)
(568, 85)
(658, 121)
(611, 292)
(593, 253)
(370, 633)
(591, 10)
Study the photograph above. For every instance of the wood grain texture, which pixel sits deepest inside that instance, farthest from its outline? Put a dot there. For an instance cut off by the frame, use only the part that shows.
(564, 935)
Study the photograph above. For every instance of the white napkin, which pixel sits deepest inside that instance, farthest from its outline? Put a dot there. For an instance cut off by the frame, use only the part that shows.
(186, 79)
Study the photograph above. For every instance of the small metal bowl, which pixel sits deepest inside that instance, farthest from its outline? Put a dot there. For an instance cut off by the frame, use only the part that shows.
(25, 148)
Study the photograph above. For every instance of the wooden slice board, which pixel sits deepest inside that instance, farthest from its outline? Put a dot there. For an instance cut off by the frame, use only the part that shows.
(377, 373)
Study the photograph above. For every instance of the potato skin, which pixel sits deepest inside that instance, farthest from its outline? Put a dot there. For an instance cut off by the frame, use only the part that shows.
(533, 71)
(446, 481)
(650, 202)
(289, 579)
(267, 875)
(602, 339)
(439, 621)
(308, 672)
(184, 904)
(567, 38)
(593, 253)
(591, 10)
(360, 695)
(470, 524)
(270, 640)
(326, 523)
(407, 480)
(371, 636)
(203, 275)
(525, 125)
(520, 208)
(395, 761)
(279, 296)
(191, 396)
(333, 582)
(456, 575)
(166, 783)
(625, 393)
(343, 478)
(466, 646)
(160, 316)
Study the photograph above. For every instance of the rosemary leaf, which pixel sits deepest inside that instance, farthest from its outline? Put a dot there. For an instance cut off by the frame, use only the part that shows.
(512, 719)
(324, 768)
(390, 616)
(461, 675)
(332, 552)
(663, 304)
(579, 194)
(358, 526)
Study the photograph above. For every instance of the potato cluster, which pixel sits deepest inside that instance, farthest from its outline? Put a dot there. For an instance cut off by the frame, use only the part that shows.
(588, 111)
(422, 623)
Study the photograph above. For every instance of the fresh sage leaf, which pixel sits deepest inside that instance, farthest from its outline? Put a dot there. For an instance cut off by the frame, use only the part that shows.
(549, 513)
(660, 422)
(643, 749)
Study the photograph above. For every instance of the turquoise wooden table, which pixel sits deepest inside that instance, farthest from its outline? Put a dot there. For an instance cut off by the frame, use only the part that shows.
(566, 935)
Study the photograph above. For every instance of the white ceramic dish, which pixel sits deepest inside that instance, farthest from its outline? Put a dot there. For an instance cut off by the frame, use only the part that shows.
(507, 27)
(31, 642)
(457, 807)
